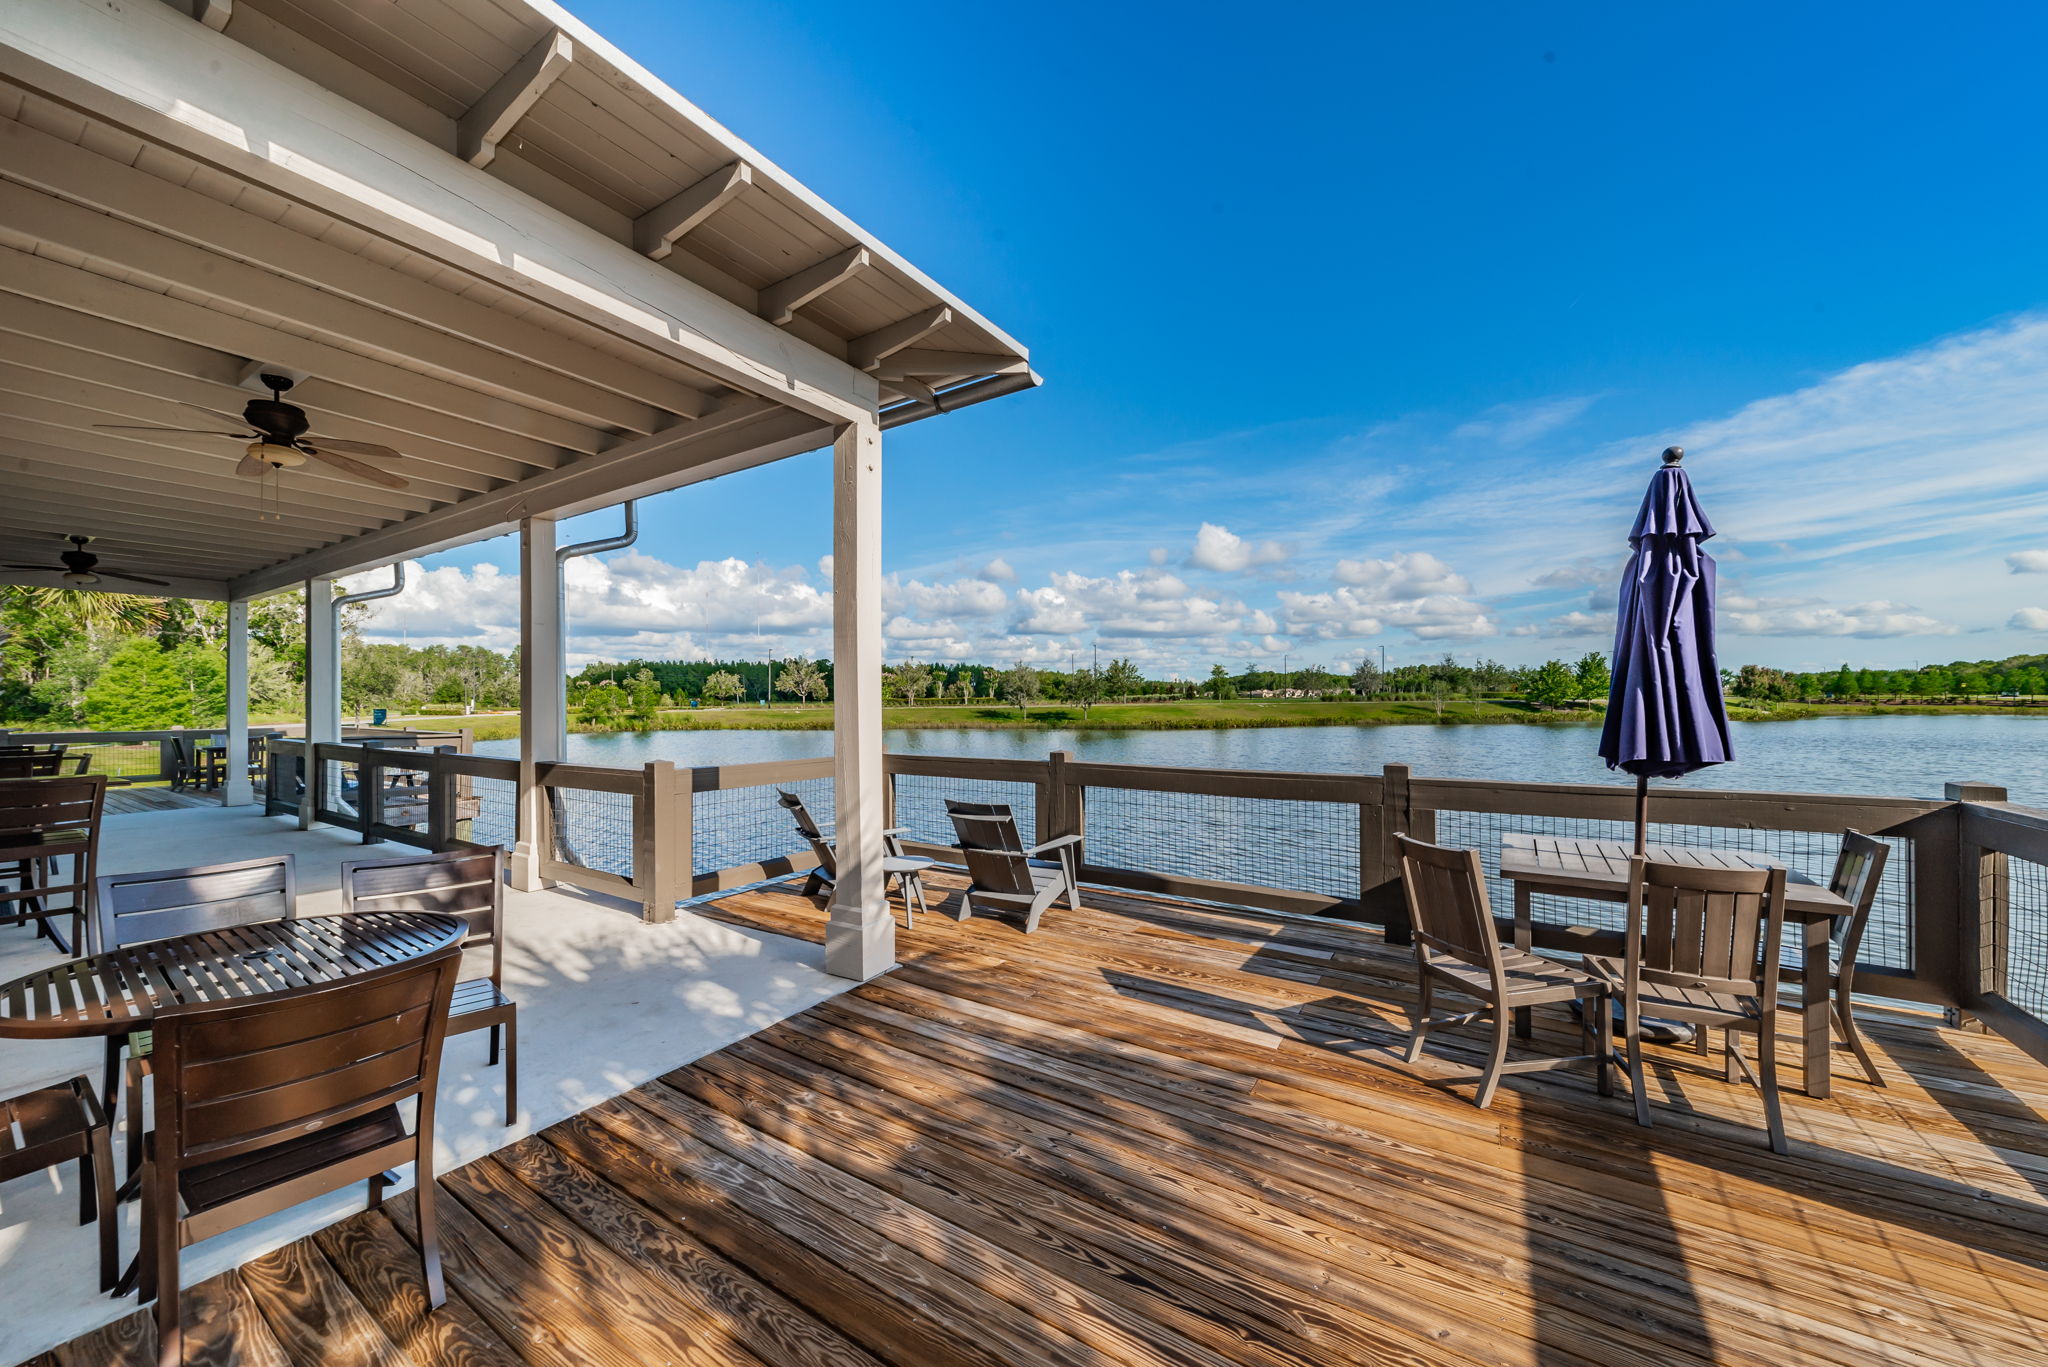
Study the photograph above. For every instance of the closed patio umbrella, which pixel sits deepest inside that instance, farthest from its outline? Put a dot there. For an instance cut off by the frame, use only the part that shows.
(1664, 712)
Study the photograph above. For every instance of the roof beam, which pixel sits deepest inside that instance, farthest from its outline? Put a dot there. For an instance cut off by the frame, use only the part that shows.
(912, 361)
(479, 131)
(210, 590)
(865, 353)
(780, 301)
(655, 232)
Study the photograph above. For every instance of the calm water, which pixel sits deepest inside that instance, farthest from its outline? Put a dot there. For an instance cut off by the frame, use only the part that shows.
(1896, 756)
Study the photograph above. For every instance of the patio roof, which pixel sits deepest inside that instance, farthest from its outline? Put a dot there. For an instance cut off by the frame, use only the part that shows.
(468, 229)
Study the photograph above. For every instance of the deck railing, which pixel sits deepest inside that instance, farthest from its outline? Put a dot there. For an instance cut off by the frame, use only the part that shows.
(1960, 922)
(136, 756)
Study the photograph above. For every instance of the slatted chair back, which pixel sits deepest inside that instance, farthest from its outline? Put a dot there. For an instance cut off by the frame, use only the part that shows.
(1448, 905)
(1714, 930)
(469, 884)
(1859, 869)
(45, 817)
(31, 764)
(237, 1076)
(991, 847)
(132, 908)
(812, 833)
(31, 750)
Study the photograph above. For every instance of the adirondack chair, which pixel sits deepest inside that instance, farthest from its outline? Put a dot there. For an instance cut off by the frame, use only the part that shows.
(908, 870)
(1002, 872)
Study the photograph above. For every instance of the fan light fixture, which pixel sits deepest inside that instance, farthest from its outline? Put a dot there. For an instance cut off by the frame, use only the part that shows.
(80, 581)
(275, 456)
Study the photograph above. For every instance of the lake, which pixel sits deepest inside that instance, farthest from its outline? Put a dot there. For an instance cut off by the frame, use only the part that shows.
(1892, 756)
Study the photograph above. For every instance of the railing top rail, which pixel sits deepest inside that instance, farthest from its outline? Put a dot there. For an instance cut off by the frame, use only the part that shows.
(1265, 783)
(123, 737)
(2004, 828)
(712, 777)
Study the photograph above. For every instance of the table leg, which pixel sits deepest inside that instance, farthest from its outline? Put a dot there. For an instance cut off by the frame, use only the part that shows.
(1816, 996)
(1524, 940)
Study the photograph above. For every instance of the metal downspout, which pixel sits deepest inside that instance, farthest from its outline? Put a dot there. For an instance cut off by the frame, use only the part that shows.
(563, 555)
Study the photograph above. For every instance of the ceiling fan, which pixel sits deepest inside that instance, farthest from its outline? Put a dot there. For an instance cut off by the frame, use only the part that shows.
(280, 440)
(81, 567)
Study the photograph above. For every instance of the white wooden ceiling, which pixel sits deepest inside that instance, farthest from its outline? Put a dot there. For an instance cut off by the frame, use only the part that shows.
(137, 280)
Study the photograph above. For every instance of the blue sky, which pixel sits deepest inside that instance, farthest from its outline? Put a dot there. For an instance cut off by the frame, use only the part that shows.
(1362, 326)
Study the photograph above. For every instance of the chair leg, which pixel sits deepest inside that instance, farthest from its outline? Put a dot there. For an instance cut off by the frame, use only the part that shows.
(1420, 1032)
(110, 1078)
(511, 1069)
(163, 1279)
(134, 1111)
(1503, 1021)
(492, 1060)
(1767, 1082)
(1632, 1039)
(1845, 1021)
(430, 1233)
(966, 907)
(1603, 1042)
(1731, 1044)
(103, 1203)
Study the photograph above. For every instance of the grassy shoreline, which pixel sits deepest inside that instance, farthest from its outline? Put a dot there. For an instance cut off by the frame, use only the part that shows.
(1199, 715)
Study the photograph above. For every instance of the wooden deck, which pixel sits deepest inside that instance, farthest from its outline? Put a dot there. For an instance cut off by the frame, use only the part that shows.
(128, 800)
(1157, 1134)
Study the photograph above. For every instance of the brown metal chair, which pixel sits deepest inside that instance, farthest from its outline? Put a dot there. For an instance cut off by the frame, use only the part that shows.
(1859, 869)
(44, 821)
(1703, 948)
(1002, 872)
(908, 870)
(41, 763)
(469, 884)
(55, 1125)
(1457, 945)
(133, 908)
(272, 1102)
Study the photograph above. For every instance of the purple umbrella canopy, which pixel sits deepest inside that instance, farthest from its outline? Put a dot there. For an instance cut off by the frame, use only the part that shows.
(1664, 711)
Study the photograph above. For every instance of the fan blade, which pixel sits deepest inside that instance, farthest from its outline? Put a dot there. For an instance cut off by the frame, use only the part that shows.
(251, 468)
(360, 448)
(105, 573)
(349, 465)
(194, 431)
(54, 569)
(210, 412)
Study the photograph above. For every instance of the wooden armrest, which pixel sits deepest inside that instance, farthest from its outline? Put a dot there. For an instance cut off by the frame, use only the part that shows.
(1057, 842)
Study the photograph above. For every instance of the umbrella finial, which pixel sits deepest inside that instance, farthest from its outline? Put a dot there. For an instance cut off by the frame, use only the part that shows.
(1673, 454)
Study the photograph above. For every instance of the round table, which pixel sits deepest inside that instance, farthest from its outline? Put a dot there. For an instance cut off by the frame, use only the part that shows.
(120, 991)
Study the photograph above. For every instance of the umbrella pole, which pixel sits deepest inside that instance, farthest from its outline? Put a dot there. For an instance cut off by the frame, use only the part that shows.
(1642, 810)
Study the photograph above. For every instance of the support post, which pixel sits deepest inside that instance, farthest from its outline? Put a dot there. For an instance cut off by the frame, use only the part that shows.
(541, 696)
(860, 936)
(662, 856)
(234, 786)
(1983, 901)
(323, 690)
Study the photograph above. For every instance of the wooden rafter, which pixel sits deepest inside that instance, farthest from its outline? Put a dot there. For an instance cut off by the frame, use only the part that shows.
(656, 232)
(484, 126)
(780, 301)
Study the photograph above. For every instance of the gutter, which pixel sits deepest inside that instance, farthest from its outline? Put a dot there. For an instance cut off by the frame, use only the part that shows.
(960, 396)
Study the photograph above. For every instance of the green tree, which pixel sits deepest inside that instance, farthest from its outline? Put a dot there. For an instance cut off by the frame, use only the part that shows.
(1087, 686)
(1845, 683)
(803, 678)
(1552, 684)
(141, 688)
(643, 694)
(1220, 684)
(1122, 679)
(603, 706)
(1593, 678)
(724, 686)
(909, 680)
(1366, 680)
(1021, 685)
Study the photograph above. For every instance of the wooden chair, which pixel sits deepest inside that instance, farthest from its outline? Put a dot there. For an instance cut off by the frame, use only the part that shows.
(257, 1117)
(44, 821)
(1703, 948)
(1859, 869)
(42, 763)
(469, 884)
(906, 870)
(1457, 945)
(1002, 872)
(132, 908)
(55, 1125)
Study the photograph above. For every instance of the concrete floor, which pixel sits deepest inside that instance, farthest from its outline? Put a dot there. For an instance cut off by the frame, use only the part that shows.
(605, 1004)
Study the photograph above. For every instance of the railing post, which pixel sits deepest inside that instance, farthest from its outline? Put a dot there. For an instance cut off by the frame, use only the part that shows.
(166, 759)
(441, 803)
(661, 841)
(370, 795)
(1062, 804)
(1395, 815)
(1982, 905)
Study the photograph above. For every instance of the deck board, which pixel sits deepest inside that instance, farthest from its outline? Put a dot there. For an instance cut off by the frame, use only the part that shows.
(1154, 1133)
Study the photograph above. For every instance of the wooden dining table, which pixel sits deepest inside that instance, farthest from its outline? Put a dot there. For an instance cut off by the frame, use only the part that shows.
(1597, 870)
(121, 990)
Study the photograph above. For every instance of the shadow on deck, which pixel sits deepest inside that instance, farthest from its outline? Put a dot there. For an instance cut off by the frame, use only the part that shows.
(1161, 1134)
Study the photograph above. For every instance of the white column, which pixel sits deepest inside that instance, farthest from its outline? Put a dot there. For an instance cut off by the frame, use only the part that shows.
(234, 791)
(860, 938)
(541, 697)
(323, 683)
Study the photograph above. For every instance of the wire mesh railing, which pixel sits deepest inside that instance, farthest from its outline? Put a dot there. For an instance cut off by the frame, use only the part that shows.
(2025, 947)
(1265, 842)
(921, 804)
(736, 827)
(1887, 943)
(592, 829)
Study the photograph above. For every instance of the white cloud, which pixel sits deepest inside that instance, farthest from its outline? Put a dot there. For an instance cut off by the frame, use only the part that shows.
(961, 598)
(2029, 619)
(1808, 617)
(1220, 549)
(999, 570)
(1406, 574)
(1577, 624)
(2027, 562)
(1517, 424)
(1350, 611)
(1143, 603)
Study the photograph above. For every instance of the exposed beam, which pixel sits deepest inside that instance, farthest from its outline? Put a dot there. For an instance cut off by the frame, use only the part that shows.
(149, 72)
(478, 132)
(211, 590)
(780, 301)
(149, 527)
(911, 388)
(66, 171)
(214, 13)
(871, 350)
(121, 303)
(656, 231)
(66, 342)
(743, 434)
(937, 364)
